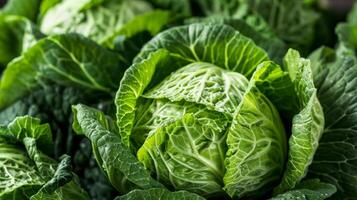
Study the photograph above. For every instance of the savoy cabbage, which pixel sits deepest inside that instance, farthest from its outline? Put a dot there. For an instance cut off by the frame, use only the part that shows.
(189, 99)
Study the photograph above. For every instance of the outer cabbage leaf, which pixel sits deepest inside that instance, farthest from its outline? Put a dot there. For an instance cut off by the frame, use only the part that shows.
(213, 44)
(256, 146)
(290, 20)
(19, 174)
(26, 169)
(68, 59)
(311, 189)
(335, 159)
(17, 35)
(274, 46)
(61, 186)
(122, 168)
(24, 127)
(97, 20)
(126, 98)
(307, 125)
(91, 176)
(158, 193)
(276, 84)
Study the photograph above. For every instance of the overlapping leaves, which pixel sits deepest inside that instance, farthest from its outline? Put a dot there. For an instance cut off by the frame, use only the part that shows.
(28, 173)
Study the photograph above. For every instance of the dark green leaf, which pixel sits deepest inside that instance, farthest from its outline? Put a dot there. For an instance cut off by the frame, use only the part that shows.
(311, 189)
(335, 159)
(290, 20)
(26, 169)
(307, 125)
(274, 46)
(122, 168)
(256, 146)
(61, 185)
(68, 59)
(214, 44)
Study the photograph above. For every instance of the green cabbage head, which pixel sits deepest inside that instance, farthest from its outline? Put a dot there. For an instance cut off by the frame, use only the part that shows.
(204, 109)
(208, 112)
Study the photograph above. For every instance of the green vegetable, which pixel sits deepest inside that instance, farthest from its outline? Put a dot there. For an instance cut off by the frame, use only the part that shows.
(290, 20)
(201, 121)
(68, 59)
(308, 189)
(334, 160)
(28, 173)
(44, 74)
(189, 99)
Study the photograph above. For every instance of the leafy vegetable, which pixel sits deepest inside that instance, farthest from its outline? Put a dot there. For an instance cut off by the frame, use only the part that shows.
(200, 83)
(125, 167)
(189, 99)
(308, 189)
(27, 173)
(61, 59)
(189, 119)
(274, 46)
(290, 20)
(97, 20)
(334, 161)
